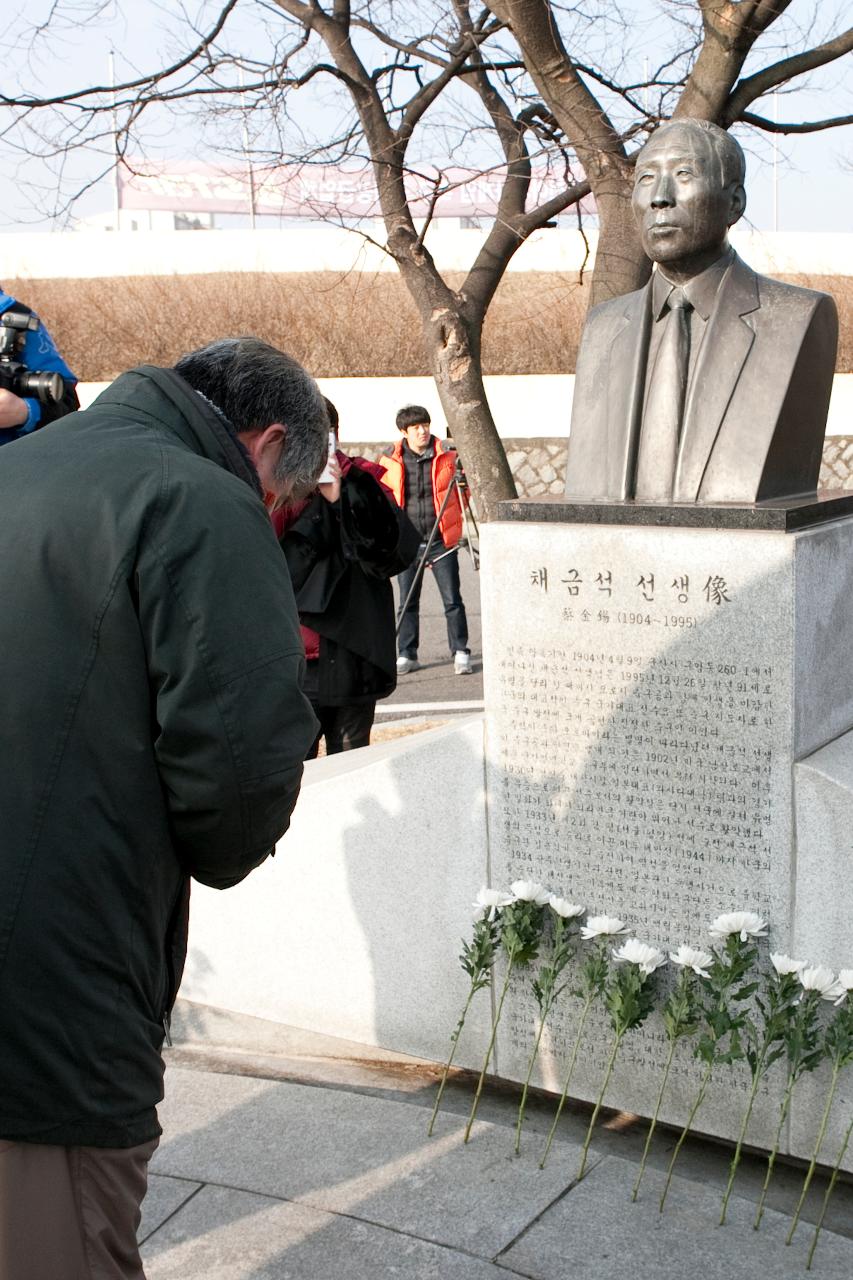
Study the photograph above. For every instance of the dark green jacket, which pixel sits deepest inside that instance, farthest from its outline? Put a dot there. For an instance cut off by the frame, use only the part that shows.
(152, 728)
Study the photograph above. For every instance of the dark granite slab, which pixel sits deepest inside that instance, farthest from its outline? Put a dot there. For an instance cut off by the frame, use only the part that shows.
(785, 515)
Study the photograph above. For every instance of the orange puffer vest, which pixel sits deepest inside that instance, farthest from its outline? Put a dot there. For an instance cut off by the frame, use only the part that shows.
(443, 467)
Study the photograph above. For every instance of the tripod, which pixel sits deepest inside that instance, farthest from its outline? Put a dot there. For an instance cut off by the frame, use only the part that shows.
(471, 532)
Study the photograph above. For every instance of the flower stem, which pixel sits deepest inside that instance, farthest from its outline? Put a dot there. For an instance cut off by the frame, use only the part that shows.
(617, 1040)
(783, 1115)
(733, 1167)
(653, 1124)
(818, 1144)
(828, 1193)
(700, 1098)
(460, 1024)
(492, 1038)
(521, 1106)
(571, 1071)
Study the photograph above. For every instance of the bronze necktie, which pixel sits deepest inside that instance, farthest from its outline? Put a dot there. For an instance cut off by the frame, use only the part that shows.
(665, 405)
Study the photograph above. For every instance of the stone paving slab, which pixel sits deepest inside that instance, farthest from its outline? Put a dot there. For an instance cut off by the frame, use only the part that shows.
(163, 1198)
(234, 1235)
(366, 1157)
(595, 1232)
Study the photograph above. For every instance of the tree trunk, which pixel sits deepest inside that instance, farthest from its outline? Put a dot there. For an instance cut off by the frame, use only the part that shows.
(454, 351)
(452, 343)
(620, 263)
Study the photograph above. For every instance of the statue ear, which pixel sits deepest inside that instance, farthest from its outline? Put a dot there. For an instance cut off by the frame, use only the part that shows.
(737, 203)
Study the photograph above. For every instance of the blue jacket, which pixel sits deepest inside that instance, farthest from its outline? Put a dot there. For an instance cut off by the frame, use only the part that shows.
(40, 353)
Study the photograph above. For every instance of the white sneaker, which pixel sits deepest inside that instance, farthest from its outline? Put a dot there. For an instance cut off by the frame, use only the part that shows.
(462, 663)
(405, 665)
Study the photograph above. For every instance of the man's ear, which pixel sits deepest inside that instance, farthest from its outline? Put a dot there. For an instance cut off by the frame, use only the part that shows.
(266, 443)
(272, 437)
(737, 203)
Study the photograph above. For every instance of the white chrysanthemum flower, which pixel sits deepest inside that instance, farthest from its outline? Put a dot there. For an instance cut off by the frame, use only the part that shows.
(843, 984)
(785, 965)
(646, 958)
(691, 958)
(489, 902)
(602, 926)
(819, 979)
(530, 891)
(747, 923)
(562, 906)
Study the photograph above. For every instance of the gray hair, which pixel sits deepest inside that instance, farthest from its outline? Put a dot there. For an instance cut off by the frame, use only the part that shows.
(729, 154)
(255, 385)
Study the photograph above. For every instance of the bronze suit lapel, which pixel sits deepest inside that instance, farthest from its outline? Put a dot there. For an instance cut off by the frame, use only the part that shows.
(725, 347)
(626, 368)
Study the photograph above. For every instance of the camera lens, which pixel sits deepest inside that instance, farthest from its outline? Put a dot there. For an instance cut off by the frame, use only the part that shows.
(41, 385)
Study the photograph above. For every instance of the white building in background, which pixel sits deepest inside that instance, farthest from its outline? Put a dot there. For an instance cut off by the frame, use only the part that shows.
(324, 217)
(196, 197)
(145, 220)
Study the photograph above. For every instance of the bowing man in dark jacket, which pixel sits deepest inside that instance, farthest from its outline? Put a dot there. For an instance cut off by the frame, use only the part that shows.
(343, 546)
(153, 730)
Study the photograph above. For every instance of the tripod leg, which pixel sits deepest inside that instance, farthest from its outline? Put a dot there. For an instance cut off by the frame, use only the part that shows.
(419, 571)
(422, 563)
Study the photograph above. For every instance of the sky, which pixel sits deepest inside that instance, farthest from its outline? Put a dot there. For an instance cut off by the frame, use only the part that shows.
(798, 184)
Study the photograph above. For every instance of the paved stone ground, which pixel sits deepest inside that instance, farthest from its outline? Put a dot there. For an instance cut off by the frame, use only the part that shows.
(307, 1158)
(434, 682)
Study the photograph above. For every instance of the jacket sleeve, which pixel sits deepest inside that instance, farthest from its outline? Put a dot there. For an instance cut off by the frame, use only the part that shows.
(364, 527)
(313, 539)
(375, 532)
(225, 663)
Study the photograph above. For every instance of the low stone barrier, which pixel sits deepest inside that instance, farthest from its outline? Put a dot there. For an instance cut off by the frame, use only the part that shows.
(539, 465)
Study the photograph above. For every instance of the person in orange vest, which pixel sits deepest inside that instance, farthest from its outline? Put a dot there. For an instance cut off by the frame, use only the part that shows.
(419, 471)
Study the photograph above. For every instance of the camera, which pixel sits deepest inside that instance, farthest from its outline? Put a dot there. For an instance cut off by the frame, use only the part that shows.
(40, 384)
(326, 476)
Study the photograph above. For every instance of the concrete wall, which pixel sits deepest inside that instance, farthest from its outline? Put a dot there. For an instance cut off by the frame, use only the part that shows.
(90, 254)
(353, 928)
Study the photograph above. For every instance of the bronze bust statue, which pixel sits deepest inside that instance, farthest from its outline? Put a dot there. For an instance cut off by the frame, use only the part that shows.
(712, 383)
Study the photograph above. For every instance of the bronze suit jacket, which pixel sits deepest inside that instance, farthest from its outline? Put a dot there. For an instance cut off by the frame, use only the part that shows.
(755, 414)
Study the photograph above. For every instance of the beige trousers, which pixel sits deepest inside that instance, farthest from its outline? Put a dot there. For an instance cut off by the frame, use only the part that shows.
(71, 1213)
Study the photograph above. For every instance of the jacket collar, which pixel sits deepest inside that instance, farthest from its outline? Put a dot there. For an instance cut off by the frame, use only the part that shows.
(724, 349)
(700, 292)
(428, 454)
(727, 343)
(165, 397)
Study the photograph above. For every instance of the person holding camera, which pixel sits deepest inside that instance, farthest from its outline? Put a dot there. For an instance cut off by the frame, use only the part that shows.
(343, 545)
(424, 476)
(36, 385)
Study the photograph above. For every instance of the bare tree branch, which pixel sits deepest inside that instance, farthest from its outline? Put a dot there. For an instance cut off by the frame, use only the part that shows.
(416, 87)
(808, 126)
(143, 81)
(755, 86)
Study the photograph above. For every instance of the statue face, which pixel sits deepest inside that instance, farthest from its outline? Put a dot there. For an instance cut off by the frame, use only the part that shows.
(682, 208)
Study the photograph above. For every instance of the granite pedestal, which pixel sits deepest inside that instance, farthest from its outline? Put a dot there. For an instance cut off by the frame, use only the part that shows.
(668, 697)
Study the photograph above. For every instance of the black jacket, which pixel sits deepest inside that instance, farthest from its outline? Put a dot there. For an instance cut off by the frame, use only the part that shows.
(341, 558)
(152, 729)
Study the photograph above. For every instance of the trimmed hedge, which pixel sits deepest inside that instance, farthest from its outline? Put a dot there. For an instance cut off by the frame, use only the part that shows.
(338, 326)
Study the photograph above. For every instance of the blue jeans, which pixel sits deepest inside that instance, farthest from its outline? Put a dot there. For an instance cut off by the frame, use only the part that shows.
(445, 569)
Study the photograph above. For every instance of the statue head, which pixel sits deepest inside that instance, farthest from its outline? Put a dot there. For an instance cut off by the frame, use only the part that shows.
(688, 191)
